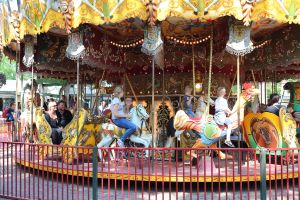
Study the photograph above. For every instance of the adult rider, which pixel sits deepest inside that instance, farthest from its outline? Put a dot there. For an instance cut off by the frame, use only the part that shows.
(274, 106)
(52, 119)
(119, 117)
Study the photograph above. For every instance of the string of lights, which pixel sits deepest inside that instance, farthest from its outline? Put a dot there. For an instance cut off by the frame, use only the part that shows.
(171, 38)
(178, 41)
(129, 44)
(262, 44)
(188, 42)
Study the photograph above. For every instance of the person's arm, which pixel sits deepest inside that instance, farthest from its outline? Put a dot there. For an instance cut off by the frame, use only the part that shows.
(189, 101)
(224, 107)
(117, 114)
(227, 110)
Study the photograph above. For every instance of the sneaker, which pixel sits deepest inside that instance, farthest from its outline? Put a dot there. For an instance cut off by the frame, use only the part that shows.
(120, 143)
(229, 143)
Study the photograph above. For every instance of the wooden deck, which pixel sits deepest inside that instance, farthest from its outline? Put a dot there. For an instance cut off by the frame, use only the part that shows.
(136, 169)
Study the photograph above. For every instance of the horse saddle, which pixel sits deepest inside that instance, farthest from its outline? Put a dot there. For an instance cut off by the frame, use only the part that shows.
(195, 119)
(211, 130)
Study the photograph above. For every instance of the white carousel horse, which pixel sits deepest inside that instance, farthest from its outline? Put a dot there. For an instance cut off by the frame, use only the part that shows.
(139, 116)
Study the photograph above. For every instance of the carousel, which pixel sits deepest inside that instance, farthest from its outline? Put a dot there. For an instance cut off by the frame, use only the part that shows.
(155, 49)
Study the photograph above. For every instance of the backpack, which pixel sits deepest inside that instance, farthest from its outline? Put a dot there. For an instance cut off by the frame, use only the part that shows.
(5, 111)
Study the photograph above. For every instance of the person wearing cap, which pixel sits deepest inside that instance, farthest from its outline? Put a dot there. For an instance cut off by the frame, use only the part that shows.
(53, 121)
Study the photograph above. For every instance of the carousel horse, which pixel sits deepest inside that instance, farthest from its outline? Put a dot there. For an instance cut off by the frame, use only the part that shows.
(83, 130)
(200, 111)
(70, 135)
(31, 102)
(270, 131)
(210, 133)
(112, 132)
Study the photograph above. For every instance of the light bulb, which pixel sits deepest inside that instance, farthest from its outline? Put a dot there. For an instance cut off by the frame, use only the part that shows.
(198, 86)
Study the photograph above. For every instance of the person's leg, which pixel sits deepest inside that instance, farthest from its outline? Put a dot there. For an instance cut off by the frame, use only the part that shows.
(131, 128)
(54, 136)
(228, 134)
(59, 135)
(190, 113)
(124, 123)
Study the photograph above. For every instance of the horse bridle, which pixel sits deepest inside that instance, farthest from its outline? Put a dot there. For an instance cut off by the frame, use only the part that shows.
(143, 119)
(139, 114)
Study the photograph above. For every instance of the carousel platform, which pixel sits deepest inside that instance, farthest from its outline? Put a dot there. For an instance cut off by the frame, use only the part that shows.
(136, 169)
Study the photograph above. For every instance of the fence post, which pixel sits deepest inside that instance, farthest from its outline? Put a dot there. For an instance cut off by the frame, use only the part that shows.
(263, 174)
(95, 173)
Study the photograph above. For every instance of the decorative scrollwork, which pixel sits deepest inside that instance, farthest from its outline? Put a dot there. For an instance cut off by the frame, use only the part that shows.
(163, 115)
(66, 7)
(247, 7)
(16, 24)
(151, 8)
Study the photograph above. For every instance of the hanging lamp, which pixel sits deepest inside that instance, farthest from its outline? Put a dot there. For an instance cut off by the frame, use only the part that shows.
(75, 49)
(153, 43)
(239, 42)
(28, 58)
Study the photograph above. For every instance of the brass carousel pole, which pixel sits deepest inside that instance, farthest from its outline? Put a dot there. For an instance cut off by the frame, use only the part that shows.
(153, 103)
(77, 100)
(194, 78)
(76, 50)
(31, 106)
(238, 97)
(17, 91)
(22, 92)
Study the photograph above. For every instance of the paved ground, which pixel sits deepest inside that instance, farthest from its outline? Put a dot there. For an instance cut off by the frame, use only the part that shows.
(20, 182)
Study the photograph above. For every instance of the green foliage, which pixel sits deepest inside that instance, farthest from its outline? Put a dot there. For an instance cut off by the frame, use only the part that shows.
(8, 67)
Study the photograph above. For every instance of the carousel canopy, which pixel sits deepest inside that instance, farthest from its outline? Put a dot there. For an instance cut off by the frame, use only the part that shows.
(112, 33)
(21, 17)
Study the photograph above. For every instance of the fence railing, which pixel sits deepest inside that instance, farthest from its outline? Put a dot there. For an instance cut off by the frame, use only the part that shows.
(35, 171)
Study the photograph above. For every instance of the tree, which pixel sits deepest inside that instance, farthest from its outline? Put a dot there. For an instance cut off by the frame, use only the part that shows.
(8, 68)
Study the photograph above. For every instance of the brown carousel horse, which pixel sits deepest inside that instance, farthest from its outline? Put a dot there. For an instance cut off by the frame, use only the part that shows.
(209, 131)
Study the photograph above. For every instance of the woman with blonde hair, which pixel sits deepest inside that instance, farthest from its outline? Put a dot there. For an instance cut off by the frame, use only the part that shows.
(119, 117)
